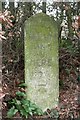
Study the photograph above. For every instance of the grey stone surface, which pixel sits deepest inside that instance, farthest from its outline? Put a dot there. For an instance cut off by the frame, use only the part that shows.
(41, 61)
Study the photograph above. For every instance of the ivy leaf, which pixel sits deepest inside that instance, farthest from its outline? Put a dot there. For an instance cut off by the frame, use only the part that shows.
(39, 111)
(12, 112)
(21, 94)
(23, 85)
(25, 102)
(24, 113)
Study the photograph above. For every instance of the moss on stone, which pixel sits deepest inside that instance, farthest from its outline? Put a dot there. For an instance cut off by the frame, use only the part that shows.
(41, 60)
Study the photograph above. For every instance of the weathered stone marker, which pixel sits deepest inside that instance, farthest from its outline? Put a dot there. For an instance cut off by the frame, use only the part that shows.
(41, 61)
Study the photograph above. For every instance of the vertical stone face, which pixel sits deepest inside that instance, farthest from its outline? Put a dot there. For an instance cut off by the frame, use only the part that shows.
(41, 61)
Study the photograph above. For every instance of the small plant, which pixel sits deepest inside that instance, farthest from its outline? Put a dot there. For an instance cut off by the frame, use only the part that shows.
(23, 106)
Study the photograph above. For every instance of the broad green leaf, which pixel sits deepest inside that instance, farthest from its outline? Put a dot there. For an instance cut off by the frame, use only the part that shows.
(33, 105)
(39, 111)
(31, 113)
(20, 94)
(23, 85)
(18, 102)
(12, 112)
(24, 113)
(25, 102)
